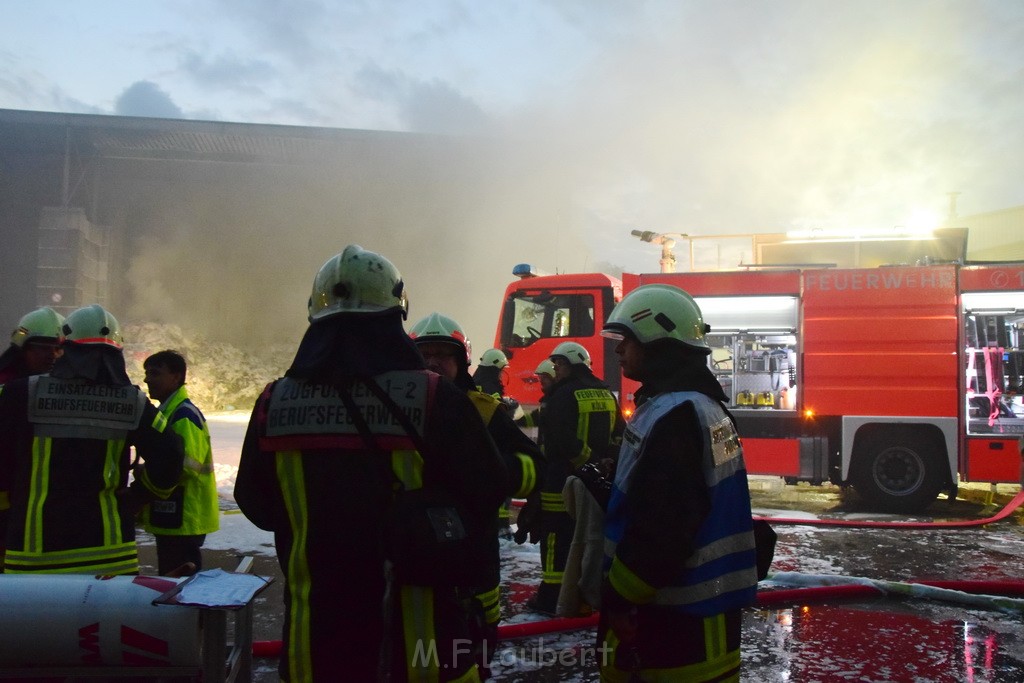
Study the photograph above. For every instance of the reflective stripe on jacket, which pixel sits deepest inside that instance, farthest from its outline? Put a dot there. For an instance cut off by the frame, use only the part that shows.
(200, 513)
(720, 574)
(72, 453)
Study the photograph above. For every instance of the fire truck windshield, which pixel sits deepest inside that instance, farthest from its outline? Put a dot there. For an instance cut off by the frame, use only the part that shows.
(529, 316)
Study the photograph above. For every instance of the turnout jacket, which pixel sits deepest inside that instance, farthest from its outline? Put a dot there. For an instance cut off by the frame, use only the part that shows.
(64, 462)
(678, 530)
(523, 458)
(581, 422)
(192, 509)
(308, 475)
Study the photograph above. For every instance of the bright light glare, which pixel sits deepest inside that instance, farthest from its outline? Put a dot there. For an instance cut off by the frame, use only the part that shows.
(922, 222)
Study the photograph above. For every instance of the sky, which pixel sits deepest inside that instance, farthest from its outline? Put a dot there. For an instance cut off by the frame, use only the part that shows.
(697, 117)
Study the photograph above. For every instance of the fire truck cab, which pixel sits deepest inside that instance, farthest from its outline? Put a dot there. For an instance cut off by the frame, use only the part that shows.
(901, 381)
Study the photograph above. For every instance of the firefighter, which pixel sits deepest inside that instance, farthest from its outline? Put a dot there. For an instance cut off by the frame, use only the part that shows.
(333, 452)
(488, 373)
(528, 526)
(35, 345)
(180, 523)
(446, 351)
(65, 456)
(581, 424)
(545, 373)
(679, 546)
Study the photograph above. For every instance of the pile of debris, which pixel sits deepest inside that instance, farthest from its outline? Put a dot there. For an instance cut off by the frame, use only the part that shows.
(221, 377)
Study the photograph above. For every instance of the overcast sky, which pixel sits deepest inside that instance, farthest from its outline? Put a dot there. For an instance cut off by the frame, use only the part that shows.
(693, 116)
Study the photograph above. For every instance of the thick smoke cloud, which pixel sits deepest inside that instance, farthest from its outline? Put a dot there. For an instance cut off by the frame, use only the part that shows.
(231, 251)
(587, 119)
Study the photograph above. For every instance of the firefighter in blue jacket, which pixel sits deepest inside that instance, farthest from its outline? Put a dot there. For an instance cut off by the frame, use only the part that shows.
(679, 543)
(65, 456)
(356, 426)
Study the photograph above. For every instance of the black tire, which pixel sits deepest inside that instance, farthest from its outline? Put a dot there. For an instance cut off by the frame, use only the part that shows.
(897, 474)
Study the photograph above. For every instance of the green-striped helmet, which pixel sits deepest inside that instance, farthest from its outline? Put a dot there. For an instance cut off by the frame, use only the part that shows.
(658, 311)
(42, 323)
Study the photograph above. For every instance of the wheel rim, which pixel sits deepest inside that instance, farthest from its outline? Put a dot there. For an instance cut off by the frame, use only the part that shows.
(898, 471)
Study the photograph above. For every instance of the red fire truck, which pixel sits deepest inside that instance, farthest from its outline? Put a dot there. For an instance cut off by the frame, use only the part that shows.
(901, 381)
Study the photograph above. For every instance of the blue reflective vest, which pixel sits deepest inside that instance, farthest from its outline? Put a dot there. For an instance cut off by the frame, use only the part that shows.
(721, 573)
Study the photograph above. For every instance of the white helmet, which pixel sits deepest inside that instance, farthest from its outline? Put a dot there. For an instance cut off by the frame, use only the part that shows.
(546, 367)
(575, 353)
(440, 328)
(93, 325)
(357, 281)
(659, 311)
(495, 357)
(42, 323)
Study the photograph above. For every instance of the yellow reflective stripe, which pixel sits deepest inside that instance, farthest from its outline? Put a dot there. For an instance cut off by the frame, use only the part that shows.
(609, 673)
(552, 502)
(529, 480)
(548, 572)
(5, 500)
(39, 485)
(108, 498)
(711, 670)
(504, 514)
(582, 430)
(290, 478)
(148, 483)
(485, 404)
(408, 467)
(160, 422)
(121, 558)
(471, 676)
(629, 585)
(491, 602)
(583, 457)
(714, 637)
(421, 656)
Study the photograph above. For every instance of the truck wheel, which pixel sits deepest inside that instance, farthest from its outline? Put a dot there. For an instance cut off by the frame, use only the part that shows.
(893, 474)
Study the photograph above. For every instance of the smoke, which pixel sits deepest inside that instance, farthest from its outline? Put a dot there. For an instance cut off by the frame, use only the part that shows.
(568, 124)
(231, 250)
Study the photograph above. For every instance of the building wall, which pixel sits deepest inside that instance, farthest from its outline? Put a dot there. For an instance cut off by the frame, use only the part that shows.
(995, 235)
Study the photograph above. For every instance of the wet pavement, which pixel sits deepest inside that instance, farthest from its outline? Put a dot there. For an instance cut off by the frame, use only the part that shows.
(873, 638)
(866, 639)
